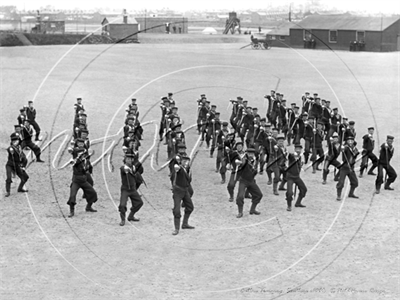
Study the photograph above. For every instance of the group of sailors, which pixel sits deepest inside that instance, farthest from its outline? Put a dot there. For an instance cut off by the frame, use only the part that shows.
(21, 139)
(247, 146)
(311, 124)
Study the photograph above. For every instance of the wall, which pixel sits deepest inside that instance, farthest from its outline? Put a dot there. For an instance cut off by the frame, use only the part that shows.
(160, 22)
(274, 41)
(389, 38)
(372, 39)
(296, 37)
(120, 31)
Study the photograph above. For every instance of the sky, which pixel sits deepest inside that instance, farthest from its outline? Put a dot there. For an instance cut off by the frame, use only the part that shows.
(370, 6)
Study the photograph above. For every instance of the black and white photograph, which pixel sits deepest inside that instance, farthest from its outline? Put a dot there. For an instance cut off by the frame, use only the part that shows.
(203, 150)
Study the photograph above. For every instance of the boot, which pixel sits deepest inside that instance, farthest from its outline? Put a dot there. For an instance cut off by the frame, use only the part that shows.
(275, 188)
(122, 215)
(177, 222)
(131, 217)
(387, 187)
(371, 171)
(337, 175)
(324, 176)
(298, 202)
(185, 224)
(223, 176)
(37, 137)
(351, 193)
(339, 194)
(377, 189)
(8, 188)
(240, 212)
(306, 155)
(21, 187)
(314, 168)
(253, 210)
(231, 197)
(38, 159)
(71, 211)
(282, 186)
(269, 178)
(289, 205)
(89, 208)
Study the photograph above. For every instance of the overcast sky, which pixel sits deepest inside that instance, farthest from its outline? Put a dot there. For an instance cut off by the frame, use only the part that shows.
(372, 6)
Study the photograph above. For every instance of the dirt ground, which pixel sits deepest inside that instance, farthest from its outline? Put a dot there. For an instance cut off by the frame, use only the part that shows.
(329, 250)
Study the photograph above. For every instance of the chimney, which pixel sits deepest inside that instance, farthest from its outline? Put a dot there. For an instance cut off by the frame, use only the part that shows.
(125, 16)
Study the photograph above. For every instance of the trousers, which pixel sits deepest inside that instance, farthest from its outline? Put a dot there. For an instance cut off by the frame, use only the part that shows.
(135, 198)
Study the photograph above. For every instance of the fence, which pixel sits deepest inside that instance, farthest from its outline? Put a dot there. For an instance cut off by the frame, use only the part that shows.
(70, 27)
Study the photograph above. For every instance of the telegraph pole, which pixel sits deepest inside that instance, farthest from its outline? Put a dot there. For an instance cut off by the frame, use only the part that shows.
(145, 16)
(381, 31)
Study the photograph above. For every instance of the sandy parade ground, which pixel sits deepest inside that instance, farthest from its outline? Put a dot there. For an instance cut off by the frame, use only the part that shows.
(329, 250)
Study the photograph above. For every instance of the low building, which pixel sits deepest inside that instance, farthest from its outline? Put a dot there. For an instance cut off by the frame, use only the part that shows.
(163, 24)
(122, 27)
(280, 37)
(344, 32)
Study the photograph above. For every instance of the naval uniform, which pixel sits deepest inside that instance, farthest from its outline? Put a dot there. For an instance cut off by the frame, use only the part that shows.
(130, 178)
(293, 178)
(385, 155)
(15, 164)
(368, 146)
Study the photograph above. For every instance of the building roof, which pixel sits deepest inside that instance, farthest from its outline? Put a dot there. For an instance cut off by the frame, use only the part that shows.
(345, 22)
(119, 20)
(284, 29)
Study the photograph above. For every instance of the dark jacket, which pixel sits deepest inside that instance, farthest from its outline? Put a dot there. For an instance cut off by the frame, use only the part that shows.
(246, 170)
(368, 143)
(385, 154)
(131, 179)
(16, 157)
(294, 167)
(181, 178)
(31, 114)
(349, 156)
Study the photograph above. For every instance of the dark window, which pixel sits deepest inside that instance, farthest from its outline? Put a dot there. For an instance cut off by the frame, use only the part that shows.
(333, 36)
(281, 37)
(307, 35)
(360, 36)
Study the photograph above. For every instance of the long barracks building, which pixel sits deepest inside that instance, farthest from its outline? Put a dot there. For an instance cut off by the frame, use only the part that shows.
(340, 32)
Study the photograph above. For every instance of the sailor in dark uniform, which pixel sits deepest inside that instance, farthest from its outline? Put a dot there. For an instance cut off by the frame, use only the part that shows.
(385, 155)
(181, 178)
(16, 164)
(246, 175)
(31, 115)
(349, 155)
(27, 134)
(293, 178)
(130, 178)
(367, 153)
